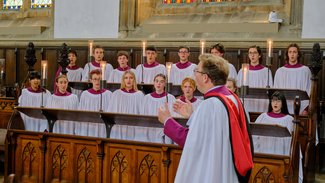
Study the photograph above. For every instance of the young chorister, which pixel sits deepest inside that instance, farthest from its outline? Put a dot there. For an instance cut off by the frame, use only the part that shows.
(34, 96)
(98, 53)
(182, 69)
(122, 59)
(146, 72)
(94, 99)
(74, 71)
(62, 99)
(150, 105)
(128, 99)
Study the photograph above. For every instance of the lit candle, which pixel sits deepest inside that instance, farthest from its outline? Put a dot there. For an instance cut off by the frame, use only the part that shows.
(91, 48)
(245, 68)
(143, 48)
(169, 67)
(44, 69)
(202, 42)
(103, 68)
(280, 53)
(269, 48)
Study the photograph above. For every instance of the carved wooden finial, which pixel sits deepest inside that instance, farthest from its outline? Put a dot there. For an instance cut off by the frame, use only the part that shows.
(316, 61)
(30, 57)
(63, 58)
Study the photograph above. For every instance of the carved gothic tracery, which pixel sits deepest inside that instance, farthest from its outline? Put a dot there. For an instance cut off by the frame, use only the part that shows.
(264, 176)
(59, 162)
(85, 165)
(148, 166)
(28, 156)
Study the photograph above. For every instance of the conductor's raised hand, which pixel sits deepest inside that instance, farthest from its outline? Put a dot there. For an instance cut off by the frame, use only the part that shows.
(183, 108)
(163, 113)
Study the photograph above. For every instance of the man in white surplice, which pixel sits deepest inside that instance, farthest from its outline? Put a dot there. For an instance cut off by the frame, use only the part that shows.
(216, 145)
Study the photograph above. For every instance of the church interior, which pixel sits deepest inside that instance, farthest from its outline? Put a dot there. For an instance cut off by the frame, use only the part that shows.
(38, 35)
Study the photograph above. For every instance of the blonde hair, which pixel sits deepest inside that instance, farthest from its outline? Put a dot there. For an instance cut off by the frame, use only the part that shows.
(134, 85)
(191, 81)
(61, 76)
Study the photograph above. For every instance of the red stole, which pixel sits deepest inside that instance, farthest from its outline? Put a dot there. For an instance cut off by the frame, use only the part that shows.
(240, 139)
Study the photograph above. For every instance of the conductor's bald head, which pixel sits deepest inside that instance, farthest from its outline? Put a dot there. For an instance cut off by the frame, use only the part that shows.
(215, 67)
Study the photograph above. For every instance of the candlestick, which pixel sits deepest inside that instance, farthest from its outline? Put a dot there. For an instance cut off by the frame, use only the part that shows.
(91, 48)
(202, 43)
(44, 69)
(144, 48)
(103, 68)
(269, 47)
(238, 53)
(245, 68)
(168, 66)
(280, 53)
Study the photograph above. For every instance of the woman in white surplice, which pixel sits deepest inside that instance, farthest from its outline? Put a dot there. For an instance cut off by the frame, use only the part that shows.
(126, 100)
(34, 96)
(277, 114)
(61, 99)
(258, 77)
(152, 102)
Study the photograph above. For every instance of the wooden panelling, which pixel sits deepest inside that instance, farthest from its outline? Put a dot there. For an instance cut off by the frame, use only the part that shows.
(48, 157)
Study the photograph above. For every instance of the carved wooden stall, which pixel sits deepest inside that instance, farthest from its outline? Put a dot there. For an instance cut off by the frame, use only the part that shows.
(45, 157)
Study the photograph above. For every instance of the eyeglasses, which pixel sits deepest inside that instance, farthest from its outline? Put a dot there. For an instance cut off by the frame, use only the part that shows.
(253, 53)
(201, 72)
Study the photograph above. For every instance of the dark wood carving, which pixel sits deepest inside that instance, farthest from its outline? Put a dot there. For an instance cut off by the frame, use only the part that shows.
(148, 169)
(119, 167)
(85, 166)
(63, 59)
(59, 162)
(28, 156)
(264, 176)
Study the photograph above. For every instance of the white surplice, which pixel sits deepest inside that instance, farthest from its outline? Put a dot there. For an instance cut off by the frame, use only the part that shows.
(256, 79)
(150, 106)
(91, 102)
(232, 71)
(273, 145)
(116, 76)
(32, 99)
(90, 66)
(207, 155)
(294, 78)
(178, 74)
(63, 102)
(128, 103)
(149, 73)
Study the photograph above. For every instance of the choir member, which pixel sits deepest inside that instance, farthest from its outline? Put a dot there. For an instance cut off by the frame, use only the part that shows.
(294, 75)
(219, 50)
(94, 99)
(34, 96)
(150, 105)
(277, 115)
(62, 99)
(232, 85)
(182, 69)
(95, 64)
(258, 77)
(122, 59)
(146, 72)
(218, 134)
(74, 71)
(127, 100)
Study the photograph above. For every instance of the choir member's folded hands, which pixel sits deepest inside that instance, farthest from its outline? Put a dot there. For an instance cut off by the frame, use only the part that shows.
(163, 113)
(183, 108)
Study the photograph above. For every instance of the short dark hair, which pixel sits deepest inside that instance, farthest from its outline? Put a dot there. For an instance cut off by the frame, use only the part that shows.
(34, 75)
(123, 53)
(218, 47)
(151, 48)
(259, 52)
(298, 49)
(185, 47)
(278, 95)
(73, 52)
(215, 67)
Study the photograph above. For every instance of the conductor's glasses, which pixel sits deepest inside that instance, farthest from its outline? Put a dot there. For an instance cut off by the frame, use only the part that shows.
(201, 72)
